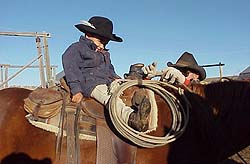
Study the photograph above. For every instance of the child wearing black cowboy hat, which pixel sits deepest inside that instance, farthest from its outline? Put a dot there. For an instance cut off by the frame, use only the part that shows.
(184, 71)
(89, 71)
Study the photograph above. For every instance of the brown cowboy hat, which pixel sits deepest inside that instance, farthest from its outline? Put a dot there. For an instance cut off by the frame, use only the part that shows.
(135, 71)
(100, 26)
(187, 61)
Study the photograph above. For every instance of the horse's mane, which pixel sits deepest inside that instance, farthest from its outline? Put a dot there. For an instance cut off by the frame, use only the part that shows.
(220, 113)
(222, 96)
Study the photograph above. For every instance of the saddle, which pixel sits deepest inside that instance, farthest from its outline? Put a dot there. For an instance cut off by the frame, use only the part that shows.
(45, 106)
(47, 103)
(51, 109)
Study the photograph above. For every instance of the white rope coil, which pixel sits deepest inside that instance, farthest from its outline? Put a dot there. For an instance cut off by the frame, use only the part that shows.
(180, 115)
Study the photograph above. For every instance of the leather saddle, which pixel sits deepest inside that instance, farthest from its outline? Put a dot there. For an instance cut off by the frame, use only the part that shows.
(46, 103)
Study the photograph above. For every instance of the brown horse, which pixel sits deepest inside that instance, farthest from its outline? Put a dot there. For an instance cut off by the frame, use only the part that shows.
(19, 136)
(218, 127)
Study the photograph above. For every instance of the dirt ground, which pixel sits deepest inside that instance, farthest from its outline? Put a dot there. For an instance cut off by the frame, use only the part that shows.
(235, 159)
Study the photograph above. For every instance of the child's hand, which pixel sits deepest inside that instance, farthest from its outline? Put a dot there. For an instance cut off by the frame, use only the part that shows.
(77, 97)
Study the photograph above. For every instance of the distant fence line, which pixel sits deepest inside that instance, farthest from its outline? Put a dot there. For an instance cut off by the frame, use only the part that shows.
(216, 65)
(4, 72)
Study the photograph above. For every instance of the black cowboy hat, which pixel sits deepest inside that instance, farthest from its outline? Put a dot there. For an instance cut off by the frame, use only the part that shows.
(100, 26)
(135, 71)
(187, 61)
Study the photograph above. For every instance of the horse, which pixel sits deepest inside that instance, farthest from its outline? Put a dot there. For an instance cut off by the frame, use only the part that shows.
(19, 136)
(218, 127)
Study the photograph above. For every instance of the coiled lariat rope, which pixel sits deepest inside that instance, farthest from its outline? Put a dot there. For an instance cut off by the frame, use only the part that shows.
(180, 115)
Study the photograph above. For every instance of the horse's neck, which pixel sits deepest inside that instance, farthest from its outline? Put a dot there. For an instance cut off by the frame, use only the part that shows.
(197, 89)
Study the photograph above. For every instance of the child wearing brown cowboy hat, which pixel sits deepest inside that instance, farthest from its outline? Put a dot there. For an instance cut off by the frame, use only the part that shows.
(89, 71)
(184, 71)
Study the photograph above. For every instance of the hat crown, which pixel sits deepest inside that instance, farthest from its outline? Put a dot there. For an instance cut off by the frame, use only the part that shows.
(187, 59)
(102, 24)
(135, 71)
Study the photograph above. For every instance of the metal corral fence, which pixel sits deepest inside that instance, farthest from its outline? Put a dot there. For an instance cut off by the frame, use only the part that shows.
(4, 79)
(4, 72)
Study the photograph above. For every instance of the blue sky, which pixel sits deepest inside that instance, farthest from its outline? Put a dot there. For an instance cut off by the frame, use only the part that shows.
(153, 30)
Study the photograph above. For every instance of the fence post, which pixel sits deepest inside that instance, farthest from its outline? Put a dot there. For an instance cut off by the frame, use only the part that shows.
(1, 75)
(6, 76)
(47, 62)
(220, 66)
(42, 78)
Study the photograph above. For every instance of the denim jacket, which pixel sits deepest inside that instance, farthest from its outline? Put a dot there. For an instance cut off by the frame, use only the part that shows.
(85, 68)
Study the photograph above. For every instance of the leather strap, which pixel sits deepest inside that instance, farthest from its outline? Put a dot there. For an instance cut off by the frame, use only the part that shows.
(72, 139)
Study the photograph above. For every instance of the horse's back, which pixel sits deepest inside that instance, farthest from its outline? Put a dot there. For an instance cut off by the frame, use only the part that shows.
(17, 135)
(11, 105)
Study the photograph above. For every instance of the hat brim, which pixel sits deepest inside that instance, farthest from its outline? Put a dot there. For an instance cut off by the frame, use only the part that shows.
(200, 70)
(83, 28)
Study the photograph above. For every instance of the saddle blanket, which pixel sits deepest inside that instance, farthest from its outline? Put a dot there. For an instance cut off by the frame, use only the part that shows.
(87, 129)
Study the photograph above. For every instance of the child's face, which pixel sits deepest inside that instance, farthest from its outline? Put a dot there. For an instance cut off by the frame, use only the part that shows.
(192, 75)
(100, 42)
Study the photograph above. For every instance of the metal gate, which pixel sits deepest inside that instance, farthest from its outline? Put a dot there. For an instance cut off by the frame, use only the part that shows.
(4, 79)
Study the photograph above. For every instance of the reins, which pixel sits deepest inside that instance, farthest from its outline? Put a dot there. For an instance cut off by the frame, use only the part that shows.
(180, 115)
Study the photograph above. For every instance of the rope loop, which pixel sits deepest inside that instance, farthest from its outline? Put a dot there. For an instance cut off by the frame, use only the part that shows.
(180, 115)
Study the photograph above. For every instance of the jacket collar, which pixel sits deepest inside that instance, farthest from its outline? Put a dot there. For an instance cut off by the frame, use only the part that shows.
(88, 42)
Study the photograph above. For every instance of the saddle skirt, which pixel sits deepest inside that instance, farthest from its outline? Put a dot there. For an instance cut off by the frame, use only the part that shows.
(87, 125)
(44, 102)
(44, 105)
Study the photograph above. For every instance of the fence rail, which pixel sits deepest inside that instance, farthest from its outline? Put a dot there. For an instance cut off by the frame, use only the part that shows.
(4, 71)
(41, 55)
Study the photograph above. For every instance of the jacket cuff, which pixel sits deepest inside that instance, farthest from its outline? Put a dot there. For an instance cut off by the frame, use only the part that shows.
(75, 88)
